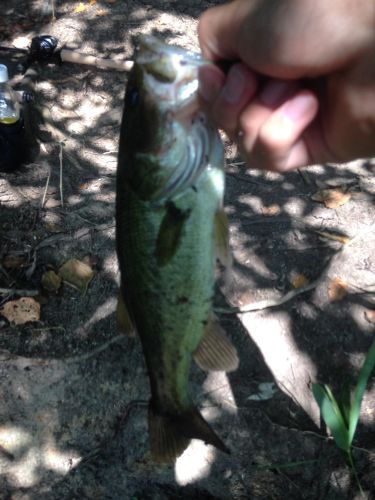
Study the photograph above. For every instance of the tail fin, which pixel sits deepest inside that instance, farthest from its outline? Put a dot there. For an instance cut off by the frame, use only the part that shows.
(170, 434)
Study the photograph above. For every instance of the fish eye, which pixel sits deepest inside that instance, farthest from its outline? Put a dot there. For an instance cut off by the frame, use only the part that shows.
(133, 96)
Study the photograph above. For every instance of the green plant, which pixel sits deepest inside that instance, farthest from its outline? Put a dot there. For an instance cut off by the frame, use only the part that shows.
(341, 417)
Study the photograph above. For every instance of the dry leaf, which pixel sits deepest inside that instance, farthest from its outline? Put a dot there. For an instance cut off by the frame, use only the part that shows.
(299, 281)
(92, 2)
(334, 236)
(337, 289)
(91, 260)
(76, 273)
(11, 261)
(271, 210)
(370, 315)
(51, 281)
(102, 12)
(21, 311)
(51, 227)
(332, 198)
(80, 8)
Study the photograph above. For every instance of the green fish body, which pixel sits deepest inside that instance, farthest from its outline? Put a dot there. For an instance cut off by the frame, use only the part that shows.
(170, 228)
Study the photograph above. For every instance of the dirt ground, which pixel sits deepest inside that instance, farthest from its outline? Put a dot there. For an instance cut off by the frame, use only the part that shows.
(73, 422)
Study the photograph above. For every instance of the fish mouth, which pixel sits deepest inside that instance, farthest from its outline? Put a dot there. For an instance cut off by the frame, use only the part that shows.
(151, 49)
(170, 73)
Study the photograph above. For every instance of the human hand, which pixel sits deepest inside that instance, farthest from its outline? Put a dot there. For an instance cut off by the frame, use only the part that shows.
(303, 91)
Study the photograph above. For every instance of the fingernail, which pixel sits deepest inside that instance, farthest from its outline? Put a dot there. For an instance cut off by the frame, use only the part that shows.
(209, 83)
(274, 91)
(234, 85)
(299, 106)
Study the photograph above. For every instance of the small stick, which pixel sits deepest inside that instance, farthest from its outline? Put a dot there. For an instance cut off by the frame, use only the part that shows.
(266, 304)
(13, 291)
(46, 188)
(61, 172)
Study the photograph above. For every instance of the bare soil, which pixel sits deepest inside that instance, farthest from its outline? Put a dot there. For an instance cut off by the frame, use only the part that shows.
(73, 422)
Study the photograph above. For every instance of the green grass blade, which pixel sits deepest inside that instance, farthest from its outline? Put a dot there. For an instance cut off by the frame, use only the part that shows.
(363, 377)
(332, 415)
(344, 403)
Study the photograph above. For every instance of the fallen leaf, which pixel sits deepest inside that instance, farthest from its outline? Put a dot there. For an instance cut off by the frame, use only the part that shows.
(11, 261)
(51, 281)
(21, 311)
(92, 2)
(370, 315)
(271, 210)
(332, 198)
(51, 227)
(91, 260)
(300, 280)
(102, 12)
(334, 236)
(81, 7)
(337, 289)
(77, 274)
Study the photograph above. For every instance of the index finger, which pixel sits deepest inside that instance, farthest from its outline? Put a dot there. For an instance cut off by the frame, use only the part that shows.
(218, 29)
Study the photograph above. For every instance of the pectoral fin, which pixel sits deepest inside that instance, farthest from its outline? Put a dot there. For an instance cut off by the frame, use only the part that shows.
(222, 248)
(170, 435)
(170, 233)
(215, 351)
(124, 323)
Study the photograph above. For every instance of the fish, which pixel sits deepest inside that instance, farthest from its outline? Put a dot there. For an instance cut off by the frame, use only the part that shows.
(170, 229)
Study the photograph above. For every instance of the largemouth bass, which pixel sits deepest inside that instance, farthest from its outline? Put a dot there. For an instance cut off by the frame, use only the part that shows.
(170, 227)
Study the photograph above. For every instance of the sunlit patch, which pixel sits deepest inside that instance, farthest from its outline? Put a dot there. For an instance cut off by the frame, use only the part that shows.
(13, 438)
(58, 461)
(22, 42)
(195, 463)
(23, 473)
(291, 368)
(294, 207)
(217, 391)
(288, 186)
(10, 197)
(358, 315)
(102, 312)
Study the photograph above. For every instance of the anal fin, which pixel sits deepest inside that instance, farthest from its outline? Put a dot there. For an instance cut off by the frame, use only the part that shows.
(124, 323)
(215, 351)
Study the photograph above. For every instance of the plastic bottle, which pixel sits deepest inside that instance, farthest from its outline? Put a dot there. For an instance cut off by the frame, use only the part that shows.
(13, 147)
(9, 107)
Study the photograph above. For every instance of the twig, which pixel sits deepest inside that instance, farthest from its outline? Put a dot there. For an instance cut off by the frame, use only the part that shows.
(304, 176)
(14, 291)
(104, 445)
(46, 188)
(247, 178)
(94, 352)
(61, 173)
(266, 304)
